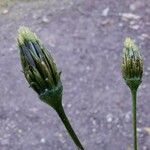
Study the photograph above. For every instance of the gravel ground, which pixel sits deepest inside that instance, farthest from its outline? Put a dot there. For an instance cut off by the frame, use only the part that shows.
(85, 38)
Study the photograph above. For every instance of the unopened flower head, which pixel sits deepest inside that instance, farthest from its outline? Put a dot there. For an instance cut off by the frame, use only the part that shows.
(38, 65)
(132, 64)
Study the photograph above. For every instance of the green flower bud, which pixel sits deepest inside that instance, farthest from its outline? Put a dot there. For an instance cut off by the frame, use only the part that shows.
(132, 64)
(39, 67)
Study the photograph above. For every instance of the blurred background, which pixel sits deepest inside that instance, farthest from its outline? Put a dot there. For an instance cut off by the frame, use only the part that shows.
(85, 37)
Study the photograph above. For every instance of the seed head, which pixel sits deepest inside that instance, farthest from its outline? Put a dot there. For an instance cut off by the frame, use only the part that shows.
(132, 64)
(38, 66)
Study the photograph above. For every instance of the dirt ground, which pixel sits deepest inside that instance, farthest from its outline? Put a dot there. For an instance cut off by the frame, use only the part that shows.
(85, 37)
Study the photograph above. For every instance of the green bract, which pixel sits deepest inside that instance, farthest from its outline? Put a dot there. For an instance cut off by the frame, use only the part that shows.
(132, 64)
(38, 66)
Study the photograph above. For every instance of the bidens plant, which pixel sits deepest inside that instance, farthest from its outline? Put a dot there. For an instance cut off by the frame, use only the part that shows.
(42, 75)
(132, 70)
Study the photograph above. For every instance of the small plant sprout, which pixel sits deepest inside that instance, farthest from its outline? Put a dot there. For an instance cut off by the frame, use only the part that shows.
(132, 70)
(43, 76)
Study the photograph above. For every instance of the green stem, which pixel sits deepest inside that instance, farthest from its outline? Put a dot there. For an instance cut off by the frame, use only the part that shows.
(62, 115)
(134, 120)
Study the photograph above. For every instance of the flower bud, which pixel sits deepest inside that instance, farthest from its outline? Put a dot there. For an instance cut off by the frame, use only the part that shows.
(132, 64)
(39, 67)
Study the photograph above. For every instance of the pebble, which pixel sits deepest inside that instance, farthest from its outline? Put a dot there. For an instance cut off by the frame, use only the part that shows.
(11, 49)
(135, 5)
(144, 36)
(35, 16)
(109, 118)
(69, 105)
(107, 87)
(132, 22)
(88, 68)
(61, 138)
(145, 148)
(94, 130)
(120, 24)
(20, 131)
(129, 16)
(147, 129)
(5, 11)
(146, 73)
(4, 141)
(105, 12)
(106, 22)
(148, 68)
(93, 121)
(34, 110)
(135, 27)
(98, 140)
(128, 116)
(132, 7)
(77, 112)
(129, 148)
(45, 19)
(42, 140)
(143, 86)
(83, 79)
(139, 130)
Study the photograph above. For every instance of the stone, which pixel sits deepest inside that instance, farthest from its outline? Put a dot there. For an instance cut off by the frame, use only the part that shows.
(45, 19)
(129, 16)
(5, 11)
(135, 27)
(42, 140)
(105, 12)
(109, 118)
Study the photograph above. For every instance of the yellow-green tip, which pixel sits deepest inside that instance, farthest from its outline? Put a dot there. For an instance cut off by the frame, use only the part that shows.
(129, 43)
(24, 33)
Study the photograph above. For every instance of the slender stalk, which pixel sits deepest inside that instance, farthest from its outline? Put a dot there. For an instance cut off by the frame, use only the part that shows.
(60, 111)
(134, 120)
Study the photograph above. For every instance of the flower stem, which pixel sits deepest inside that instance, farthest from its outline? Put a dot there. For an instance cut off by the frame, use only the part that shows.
(63, 117)
(134, 120)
